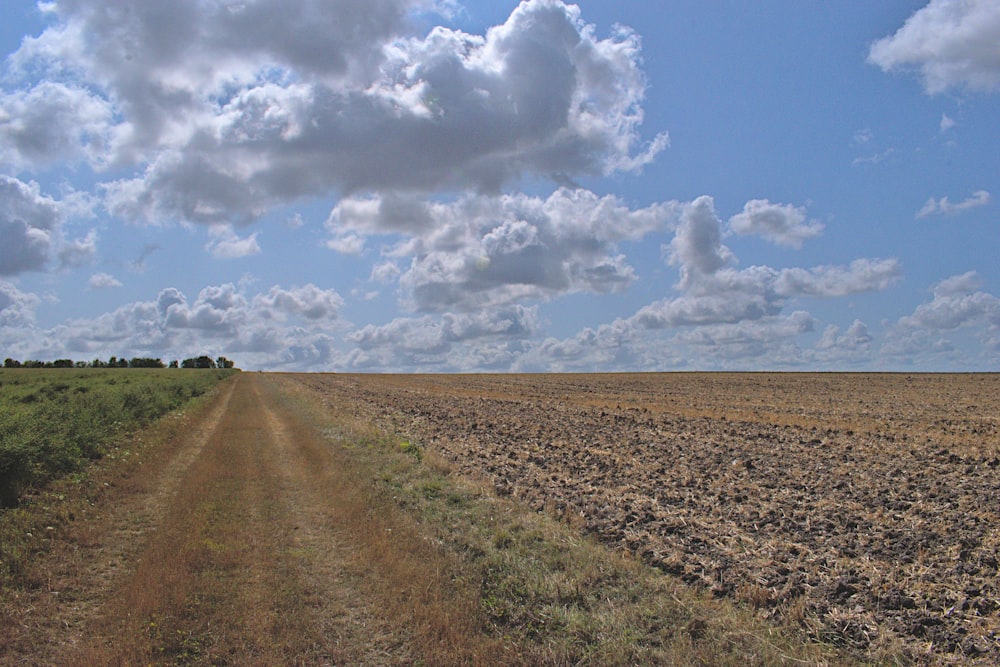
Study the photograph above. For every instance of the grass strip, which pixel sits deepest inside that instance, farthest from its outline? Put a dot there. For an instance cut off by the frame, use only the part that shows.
(54, 421)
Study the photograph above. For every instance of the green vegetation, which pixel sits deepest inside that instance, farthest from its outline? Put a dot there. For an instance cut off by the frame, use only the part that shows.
(53, 421)
(203, 361)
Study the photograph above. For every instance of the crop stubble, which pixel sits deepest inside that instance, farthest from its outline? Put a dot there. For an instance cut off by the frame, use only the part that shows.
(863, 506)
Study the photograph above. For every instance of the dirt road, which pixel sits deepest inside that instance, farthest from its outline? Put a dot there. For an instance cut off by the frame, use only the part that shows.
(224, 548)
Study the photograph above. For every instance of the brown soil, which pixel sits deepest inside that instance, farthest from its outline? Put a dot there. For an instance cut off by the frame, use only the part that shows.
(864, 507)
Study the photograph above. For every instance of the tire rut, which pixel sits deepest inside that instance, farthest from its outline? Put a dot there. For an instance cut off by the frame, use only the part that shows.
(246, 564)
(84, 566)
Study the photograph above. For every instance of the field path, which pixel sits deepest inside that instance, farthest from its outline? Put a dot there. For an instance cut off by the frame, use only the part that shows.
(233, 555)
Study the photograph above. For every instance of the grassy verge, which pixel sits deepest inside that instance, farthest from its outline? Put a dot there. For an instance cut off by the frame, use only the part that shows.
(53, 421)
(531, 589)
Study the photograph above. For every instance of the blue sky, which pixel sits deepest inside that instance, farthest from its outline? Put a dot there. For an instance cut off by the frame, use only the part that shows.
(434, 185)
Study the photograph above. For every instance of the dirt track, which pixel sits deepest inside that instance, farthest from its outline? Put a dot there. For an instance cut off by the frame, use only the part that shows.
(864, 507)
(223, 550)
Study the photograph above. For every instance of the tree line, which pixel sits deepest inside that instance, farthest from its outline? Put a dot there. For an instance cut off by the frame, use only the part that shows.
(203, 361)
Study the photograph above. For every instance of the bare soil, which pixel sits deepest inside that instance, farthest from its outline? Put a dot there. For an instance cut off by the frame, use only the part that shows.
(865, 507)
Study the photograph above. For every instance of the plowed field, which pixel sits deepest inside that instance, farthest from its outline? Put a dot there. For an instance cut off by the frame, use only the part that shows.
(864, 507)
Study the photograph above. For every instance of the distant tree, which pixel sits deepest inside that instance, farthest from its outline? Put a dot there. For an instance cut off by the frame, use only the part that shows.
(11, 363)
(33, 363)
(198, 362)
(97, 363)
(62, 363)
(174, 364)
(145, 362)
(222, 362)
(81, 364)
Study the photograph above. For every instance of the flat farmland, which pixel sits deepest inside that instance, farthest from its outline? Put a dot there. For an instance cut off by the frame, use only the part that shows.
(864, 508)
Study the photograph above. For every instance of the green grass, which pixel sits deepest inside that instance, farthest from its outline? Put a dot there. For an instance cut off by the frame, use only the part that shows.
(53, 421)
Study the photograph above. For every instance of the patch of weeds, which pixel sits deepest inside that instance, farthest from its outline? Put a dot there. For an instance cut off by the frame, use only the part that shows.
(411, 449)
(431, 489)
(177, 646)
(502, 539)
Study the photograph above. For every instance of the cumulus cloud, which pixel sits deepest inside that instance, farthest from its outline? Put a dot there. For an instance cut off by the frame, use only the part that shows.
(308, 301)
(227, 244)
(748, 340)
(715, 292)
(851, 346)
(487, 254)
(30, 226)
(53, 122)
(451, 341)
(697, 246)
(484, 251)
(17, 308)
(944, 206)
(957, 302)
(248, 106)
(929, 336)
(103, 281)
(861, 275)
(723, 316)
(953, 43)
(783, 224)
(275, 328)
(385, 272)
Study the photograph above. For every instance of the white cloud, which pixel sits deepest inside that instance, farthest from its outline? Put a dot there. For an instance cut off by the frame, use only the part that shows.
(103, 281)
(724, 317)
(877, 158)
(248, 106)
(964, 283)
(931, 336)
(53, 122)
(282, 327)
(697, 247)
(861, 275)
(17, 308)
(863, 136)
(308, 301)
(944, 206)
(449, 342)
(30, 225)
(957, 303)
(836, 349)
(483, 251)
(947, 122)
(227, 244)
(953, 43)
(783, 224)
(385, 272)
(748, 340)
(78, 252)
